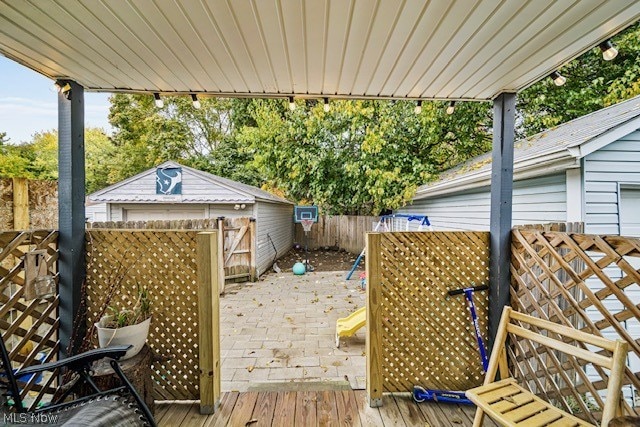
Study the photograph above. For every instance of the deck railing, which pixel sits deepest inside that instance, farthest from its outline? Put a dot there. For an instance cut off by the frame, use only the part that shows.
(179, 270)
(416, 333)
(589, 282)
(29, 324)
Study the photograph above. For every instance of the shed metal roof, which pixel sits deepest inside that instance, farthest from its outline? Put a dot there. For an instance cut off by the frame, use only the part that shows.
(412, 49)
(239, 192)
(555, 149)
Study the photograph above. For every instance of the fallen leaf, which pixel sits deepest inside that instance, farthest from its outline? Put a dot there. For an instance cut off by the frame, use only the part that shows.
(251, 422)
(250, 368)
(509, 399)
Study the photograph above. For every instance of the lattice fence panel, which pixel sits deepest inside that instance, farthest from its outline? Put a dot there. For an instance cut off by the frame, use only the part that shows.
(585, 281)
(29, 327)
(426, 336)
(165, 263)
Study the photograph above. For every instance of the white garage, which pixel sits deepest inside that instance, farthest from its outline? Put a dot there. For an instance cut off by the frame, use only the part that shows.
(172, 191)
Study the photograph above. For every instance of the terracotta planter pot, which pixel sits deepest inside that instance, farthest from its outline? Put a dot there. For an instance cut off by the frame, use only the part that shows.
(135, 335)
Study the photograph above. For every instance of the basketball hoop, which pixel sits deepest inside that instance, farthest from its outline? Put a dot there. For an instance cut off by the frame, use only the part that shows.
(306, 224)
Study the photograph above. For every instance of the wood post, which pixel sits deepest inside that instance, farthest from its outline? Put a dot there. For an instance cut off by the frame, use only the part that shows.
(504, 108)
(71, 212)
(208, 321)
(253, 260)
(20, 204)
(374, 323)
(220, 251)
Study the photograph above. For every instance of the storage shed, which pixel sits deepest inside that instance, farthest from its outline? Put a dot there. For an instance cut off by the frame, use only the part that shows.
(586, 170)
(172, 191)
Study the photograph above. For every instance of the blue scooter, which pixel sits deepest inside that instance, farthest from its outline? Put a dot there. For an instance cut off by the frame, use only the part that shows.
(420, 394)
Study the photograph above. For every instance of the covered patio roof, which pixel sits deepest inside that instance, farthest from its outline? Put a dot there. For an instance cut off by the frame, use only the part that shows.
(440, 49)
(362, 49)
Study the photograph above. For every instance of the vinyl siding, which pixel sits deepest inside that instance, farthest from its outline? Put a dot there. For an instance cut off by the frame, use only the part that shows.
(618, 162)
(275, 221)
(96, 212)
(604, 172)
(537, 200)
(194, 190)
(210, 211)
(229, 211)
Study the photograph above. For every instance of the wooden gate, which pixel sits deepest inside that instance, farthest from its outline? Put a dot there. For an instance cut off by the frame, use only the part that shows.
(237, 238)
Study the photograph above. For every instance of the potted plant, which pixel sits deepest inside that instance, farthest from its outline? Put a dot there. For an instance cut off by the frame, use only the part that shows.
(127, 326)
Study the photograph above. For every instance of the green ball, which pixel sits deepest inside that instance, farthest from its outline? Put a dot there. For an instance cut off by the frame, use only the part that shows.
(299, 269)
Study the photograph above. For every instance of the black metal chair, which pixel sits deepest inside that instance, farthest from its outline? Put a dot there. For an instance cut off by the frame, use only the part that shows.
(121, 406)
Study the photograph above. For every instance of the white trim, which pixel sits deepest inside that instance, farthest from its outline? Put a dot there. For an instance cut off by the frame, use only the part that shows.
(522, 170)
(574, 195)
(607, 138)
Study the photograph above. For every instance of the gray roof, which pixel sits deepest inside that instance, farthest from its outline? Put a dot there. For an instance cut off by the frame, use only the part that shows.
(228, 191)
(563, 144)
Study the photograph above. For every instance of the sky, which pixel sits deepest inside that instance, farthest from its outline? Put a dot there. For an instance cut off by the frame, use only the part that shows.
(29, 103)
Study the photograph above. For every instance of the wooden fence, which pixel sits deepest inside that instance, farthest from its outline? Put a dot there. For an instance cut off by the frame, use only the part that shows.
(416, 333)
(28, 204)
(238, 240)
(180, 280)
(584, 281)
(342, 231)
(29, 325)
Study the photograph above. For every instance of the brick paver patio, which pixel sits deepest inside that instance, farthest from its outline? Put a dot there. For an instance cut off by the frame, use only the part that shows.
(282, 329)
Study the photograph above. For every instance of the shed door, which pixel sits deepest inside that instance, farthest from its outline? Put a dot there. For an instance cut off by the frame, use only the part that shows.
(630, 226)
(163, 213)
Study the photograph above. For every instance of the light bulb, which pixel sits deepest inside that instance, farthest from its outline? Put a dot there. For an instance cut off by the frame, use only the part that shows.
(159, 102)
(418, 108)
(608, 50)
(558, 79)
(292, 104)
(451, 107)
(196, 101)
(327, 107)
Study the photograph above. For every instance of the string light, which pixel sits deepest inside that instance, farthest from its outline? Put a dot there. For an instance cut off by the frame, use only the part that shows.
(418, 108)
(327, 107)
(158, 100)
(451, 107)
(608, 50)
(196, 102)
(557, 78)
(292, 104)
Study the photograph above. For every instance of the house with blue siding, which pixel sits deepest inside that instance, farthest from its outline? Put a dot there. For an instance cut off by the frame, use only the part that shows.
(172, 191)
(586, 170)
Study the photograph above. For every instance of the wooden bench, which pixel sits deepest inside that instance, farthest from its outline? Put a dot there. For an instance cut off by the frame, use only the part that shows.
(509, 404)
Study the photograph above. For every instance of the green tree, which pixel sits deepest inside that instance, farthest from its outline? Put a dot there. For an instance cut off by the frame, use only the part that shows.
(592, 84)
(146, 135)
(38, 159)
(362, 156)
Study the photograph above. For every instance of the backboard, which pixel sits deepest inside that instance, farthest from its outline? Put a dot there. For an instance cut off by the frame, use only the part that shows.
(305, 212)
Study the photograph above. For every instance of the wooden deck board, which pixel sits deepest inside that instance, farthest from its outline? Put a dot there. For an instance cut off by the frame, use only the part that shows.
(285, 409)
(305, 408)
(321, 408)
(347, 408)
(222, 415)
(243, 409)
(265, 407)
(410, 410)
(391, 415)
(327, 410)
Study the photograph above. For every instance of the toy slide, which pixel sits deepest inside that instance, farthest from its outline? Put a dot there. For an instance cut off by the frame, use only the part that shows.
(347, 326)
